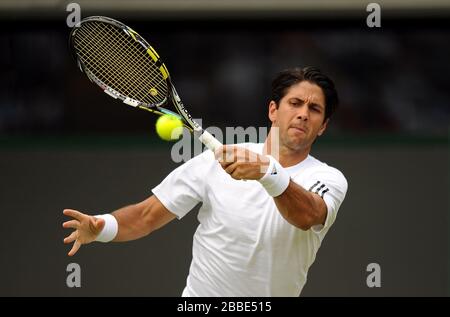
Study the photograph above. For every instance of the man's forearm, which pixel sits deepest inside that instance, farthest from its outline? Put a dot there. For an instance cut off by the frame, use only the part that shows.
(138, 220)
(300, 208)
(131, 223)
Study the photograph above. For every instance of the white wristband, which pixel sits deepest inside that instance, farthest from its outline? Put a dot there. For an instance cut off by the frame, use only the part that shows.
(109, 230)
(276, 179)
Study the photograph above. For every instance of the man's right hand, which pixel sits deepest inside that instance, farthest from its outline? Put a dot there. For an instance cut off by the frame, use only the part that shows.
(87, 228)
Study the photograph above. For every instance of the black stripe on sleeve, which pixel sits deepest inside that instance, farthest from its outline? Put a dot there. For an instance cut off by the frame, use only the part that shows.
(323, 193)
(312, 187)
(318, 189)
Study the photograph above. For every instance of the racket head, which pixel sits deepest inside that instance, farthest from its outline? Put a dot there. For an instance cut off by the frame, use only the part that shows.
(122, 63)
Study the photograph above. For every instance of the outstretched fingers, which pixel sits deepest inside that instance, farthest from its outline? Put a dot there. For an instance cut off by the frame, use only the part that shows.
(73, 213)
(75, 248)
(71, 224)
(72, 237)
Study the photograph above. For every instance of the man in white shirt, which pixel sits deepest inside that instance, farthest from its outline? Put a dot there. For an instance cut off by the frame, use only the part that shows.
(256, 237)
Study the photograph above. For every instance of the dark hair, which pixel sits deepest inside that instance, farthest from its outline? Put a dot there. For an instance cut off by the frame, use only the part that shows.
(289, 77)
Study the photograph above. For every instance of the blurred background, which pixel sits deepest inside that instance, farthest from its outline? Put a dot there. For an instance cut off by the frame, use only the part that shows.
(64, 144)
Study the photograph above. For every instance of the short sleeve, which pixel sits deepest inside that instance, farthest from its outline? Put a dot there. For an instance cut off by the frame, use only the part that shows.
(183, 188)
(330, 184)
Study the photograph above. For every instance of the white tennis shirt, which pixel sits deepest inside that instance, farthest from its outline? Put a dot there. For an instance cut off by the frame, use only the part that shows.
(243, 246)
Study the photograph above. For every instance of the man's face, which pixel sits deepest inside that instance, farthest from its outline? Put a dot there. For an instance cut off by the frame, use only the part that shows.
(300, 115)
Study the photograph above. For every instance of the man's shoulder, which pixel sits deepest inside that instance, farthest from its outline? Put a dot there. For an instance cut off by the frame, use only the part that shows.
(315, 166)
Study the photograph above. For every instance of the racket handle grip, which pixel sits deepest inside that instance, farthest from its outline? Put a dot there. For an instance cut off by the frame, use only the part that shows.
(211, 142)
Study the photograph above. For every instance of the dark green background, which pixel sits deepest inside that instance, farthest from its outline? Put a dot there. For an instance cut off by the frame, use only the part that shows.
(395, 214)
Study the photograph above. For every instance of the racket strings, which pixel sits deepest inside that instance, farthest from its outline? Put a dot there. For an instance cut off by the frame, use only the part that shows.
(139, 77)
(127, 70)
(102, 69)
(120, 62)
(124, 71)
(148, 77)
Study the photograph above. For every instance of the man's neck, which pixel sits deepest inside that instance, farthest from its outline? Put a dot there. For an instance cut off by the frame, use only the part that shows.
(285, 156)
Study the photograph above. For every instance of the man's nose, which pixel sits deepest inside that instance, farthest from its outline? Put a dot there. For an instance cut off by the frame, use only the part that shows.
(303, 112)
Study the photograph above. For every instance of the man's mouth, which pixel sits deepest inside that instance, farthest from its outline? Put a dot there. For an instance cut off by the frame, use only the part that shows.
(298, 128)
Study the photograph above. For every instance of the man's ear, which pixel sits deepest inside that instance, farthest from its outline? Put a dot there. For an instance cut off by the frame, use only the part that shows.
(273, 110)
(323, 127)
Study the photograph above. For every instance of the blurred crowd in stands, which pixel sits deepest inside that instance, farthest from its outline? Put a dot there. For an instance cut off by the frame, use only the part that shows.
(389, 81)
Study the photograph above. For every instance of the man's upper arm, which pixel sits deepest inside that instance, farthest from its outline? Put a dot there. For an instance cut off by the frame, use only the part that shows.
(328, 187)
(321, 208)
(184, 187)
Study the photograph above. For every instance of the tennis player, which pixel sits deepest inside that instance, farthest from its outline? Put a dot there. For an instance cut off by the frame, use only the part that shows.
(256, 237)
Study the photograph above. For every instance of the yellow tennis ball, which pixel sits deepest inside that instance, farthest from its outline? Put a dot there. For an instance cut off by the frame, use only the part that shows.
(169, 127)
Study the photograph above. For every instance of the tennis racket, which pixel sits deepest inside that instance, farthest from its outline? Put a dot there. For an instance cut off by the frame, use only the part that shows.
(127, 68)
